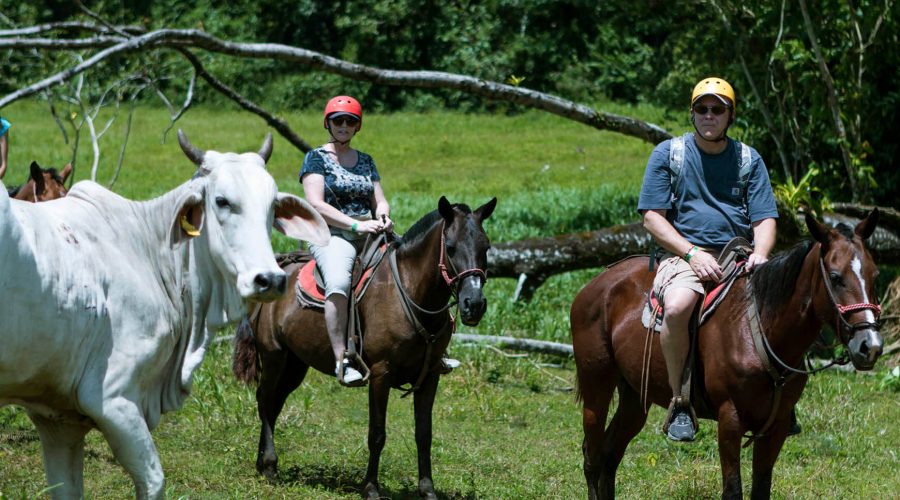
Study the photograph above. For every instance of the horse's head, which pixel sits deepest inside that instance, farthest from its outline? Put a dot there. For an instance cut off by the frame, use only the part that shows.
(848, 278)
(465, 246)
(44, 184)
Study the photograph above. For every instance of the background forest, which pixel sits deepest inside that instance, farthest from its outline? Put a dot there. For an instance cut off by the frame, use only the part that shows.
(816, 80)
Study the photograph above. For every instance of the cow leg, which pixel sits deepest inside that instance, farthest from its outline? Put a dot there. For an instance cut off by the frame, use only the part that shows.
(281, 374)
(765, 453)
(62, 444)
(424, 403)
(126, 431)
(379, 390)
(730, 433)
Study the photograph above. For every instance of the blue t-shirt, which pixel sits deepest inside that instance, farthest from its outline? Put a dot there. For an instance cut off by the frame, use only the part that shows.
(349, 190)
(4, 126)
(709, 209)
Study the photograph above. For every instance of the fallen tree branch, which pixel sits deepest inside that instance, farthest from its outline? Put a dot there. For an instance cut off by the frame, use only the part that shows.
(417, 79)
(529, 345)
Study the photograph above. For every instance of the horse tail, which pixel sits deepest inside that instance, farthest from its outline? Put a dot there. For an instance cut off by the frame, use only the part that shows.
(245, 362)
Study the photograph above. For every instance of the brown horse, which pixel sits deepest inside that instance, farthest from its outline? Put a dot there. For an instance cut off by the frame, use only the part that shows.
(42, 184)
(444, 254)
(827, 281)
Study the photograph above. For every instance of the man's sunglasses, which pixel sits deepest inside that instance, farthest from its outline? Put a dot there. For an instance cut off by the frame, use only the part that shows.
(717, 109)
(345, 120)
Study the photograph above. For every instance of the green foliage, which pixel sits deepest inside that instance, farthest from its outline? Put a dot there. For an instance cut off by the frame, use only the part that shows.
(802, 195)
(890, 381)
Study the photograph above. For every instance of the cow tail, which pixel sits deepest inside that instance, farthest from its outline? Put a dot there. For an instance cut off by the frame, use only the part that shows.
(245, 363)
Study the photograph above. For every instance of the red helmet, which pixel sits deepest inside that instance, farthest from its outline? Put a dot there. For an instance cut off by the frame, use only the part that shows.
(343, 104)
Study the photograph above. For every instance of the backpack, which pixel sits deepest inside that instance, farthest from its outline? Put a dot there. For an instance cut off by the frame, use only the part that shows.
(676, 164)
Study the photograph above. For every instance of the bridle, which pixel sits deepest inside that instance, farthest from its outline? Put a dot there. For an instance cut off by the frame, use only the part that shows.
(841, 309)
(408, 304)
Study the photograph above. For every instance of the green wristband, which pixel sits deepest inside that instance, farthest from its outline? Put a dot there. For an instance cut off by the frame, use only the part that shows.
(690, 253)
(353, 227)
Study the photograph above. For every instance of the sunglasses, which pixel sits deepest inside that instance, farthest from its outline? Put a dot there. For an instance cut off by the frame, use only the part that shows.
(716, 109)
(345, 120)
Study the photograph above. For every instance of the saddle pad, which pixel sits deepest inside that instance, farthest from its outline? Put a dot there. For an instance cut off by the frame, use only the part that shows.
(710, 301)
(312, 291)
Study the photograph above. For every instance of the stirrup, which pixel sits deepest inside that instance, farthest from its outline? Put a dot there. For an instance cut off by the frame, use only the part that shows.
(447, 365)
(347, 374)
(684, 431)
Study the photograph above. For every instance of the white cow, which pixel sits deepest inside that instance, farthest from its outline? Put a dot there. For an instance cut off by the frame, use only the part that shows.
(107, 303)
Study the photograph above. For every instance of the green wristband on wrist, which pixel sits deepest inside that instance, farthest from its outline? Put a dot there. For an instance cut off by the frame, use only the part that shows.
(690, 253)
(353, 227)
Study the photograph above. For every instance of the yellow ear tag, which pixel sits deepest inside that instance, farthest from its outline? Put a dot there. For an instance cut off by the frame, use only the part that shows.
(188, 227)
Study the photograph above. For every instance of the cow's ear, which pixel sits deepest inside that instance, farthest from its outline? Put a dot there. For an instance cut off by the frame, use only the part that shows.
(189, 218)
(296, 218)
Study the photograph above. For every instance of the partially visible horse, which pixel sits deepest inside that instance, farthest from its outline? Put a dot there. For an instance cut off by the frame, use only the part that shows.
(827, 281)
(442, 255)
(42, 185)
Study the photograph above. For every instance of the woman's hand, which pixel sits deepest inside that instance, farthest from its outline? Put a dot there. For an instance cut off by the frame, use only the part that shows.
(369, 226)
(388, 223)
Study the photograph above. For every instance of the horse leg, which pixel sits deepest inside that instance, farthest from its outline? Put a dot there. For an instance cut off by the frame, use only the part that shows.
(765, 453)
(379, 390)
(424, 403)
(62, 444)
(281, 373)
(730, 451)
(626, 423)
(596, 383)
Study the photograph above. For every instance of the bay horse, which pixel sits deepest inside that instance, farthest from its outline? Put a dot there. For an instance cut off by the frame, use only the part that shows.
(42, 184)
(442, 255)
(828, 280)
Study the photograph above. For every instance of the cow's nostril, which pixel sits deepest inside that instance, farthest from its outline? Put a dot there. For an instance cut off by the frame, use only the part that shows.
(263, 281)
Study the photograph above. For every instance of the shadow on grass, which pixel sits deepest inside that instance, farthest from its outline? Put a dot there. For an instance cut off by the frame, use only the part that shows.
(348, 480)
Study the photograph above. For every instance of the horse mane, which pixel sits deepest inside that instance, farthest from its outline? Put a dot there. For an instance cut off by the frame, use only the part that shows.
(420, 229)
(13, 190)
(773, 282)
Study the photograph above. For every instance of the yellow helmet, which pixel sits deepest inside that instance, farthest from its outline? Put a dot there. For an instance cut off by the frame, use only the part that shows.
(714, 86)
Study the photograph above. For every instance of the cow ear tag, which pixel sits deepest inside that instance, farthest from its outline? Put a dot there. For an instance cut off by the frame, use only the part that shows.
(188, 227)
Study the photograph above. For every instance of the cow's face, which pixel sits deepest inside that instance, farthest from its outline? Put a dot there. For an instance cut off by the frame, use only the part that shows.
(240, 204)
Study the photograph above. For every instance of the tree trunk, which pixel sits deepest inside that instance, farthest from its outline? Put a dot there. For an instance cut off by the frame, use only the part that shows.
(532, 261)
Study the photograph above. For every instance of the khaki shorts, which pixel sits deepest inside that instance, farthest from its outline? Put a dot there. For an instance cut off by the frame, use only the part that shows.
(675, 272)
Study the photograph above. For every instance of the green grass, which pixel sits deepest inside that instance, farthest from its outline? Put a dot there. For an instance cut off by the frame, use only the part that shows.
(505, 427)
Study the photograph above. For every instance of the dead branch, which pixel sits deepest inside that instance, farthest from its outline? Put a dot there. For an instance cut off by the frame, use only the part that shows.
(529, 345)
(418, 79)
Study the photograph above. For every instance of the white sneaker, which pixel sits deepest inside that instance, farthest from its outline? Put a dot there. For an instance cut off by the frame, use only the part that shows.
(351, 375)
(448, 364)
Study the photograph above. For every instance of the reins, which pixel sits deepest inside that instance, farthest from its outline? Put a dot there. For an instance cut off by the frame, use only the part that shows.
(409, 305)
(765, 351)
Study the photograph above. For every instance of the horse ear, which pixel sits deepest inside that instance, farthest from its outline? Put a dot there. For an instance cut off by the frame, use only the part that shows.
(66, 172)
(485, 211)
(818, 230)
(37, 175)
(445, 209)
(866, 227)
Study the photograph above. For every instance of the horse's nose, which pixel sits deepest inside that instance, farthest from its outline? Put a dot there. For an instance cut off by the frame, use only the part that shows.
(270, 281)
(871, 347)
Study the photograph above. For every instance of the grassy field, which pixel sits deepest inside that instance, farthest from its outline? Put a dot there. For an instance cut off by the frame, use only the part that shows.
(505, 427)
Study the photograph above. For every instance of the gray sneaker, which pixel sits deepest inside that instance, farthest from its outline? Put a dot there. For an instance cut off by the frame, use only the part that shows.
(681, 428)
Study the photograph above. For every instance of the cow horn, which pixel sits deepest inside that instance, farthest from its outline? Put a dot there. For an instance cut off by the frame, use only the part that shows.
(192, 152)
(266, 150)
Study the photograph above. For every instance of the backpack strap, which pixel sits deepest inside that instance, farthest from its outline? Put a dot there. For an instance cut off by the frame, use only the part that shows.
(676, 161)
(744, 172)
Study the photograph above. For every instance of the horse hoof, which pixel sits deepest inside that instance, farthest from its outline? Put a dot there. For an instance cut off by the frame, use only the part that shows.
(370, 492)
(268, 471)
(426, 489)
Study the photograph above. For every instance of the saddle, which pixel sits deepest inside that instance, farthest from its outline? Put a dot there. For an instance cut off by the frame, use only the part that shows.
(310, 292)
(310, 288)
(732, 259)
